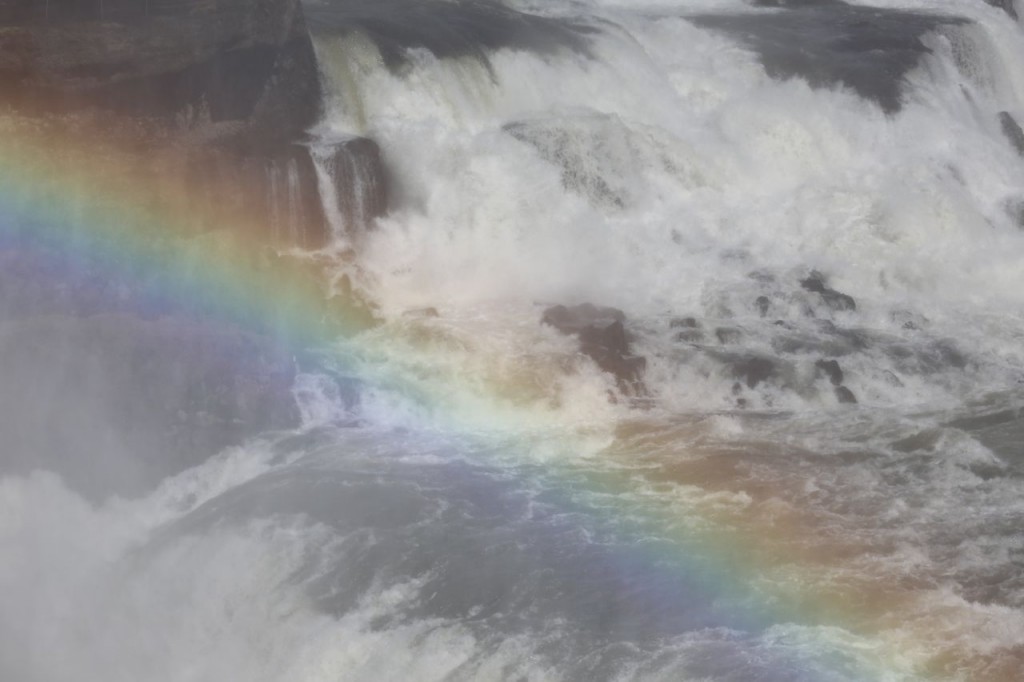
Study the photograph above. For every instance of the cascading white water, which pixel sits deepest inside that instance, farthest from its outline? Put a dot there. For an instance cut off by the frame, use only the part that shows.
(657, 172)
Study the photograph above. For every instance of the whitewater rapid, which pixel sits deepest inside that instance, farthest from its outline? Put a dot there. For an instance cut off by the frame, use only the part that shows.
(486, 512)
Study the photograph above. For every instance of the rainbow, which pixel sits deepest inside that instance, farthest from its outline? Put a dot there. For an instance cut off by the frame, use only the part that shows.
(78, 199)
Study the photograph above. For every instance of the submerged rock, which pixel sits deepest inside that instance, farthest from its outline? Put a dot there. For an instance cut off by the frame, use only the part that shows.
(602, 336)
(845, 395)
(815, 283)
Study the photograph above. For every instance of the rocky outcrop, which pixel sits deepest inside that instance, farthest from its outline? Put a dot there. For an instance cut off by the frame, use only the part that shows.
(115, 403)
(602, 337)
(235, 69)
(203, 99)
(845, 396)
(277, 192)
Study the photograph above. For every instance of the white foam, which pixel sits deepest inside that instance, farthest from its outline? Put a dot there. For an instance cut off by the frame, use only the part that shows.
(690, 168)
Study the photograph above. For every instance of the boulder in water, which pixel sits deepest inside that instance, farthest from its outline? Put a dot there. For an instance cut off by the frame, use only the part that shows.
(602, 336)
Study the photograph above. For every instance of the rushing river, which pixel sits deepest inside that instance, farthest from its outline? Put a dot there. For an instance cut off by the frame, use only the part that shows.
(812, 217)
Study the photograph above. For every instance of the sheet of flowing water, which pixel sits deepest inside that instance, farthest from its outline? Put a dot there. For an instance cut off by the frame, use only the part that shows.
(490, 514)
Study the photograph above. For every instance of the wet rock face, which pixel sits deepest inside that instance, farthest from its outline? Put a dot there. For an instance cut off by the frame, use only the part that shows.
(602, 336)
(114, 403)
(358, 178)
(216, 68)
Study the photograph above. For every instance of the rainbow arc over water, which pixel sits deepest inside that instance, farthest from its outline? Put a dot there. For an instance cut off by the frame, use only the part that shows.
(76, 200)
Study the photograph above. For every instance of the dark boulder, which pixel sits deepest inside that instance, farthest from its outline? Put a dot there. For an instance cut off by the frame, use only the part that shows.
(602, 336)
(845, 395)
(114, 404)
(835, 300)
(830, 369)
(1012, 131)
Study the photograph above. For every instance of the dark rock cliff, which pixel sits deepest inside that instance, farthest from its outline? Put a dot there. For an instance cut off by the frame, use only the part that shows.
(218, 68)
(185, 113)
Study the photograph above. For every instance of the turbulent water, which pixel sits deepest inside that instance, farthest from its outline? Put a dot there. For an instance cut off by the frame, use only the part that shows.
(762, 189)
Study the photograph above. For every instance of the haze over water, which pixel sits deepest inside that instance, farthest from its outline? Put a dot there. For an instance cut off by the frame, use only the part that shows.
(810, 216)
